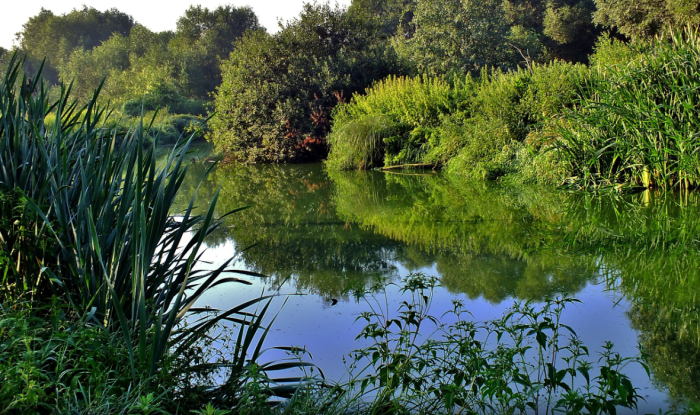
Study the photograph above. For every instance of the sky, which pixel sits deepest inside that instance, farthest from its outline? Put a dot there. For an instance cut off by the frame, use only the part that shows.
(155, 15)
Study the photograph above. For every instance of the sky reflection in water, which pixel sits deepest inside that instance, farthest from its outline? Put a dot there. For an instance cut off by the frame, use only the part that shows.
(490, 245)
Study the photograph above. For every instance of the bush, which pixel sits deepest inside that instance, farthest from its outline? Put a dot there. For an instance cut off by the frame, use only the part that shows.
(136, 107)
(506, 110)
(49, 364)
(275, 101)
(392, 122)
(477, 128)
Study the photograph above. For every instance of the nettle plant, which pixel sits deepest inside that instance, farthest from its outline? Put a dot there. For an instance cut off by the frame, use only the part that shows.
(528, 361)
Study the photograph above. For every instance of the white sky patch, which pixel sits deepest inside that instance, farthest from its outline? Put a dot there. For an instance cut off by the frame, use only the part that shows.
(155, 15)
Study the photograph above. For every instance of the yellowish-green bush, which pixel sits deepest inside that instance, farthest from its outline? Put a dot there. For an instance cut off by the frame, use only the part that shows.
(477, 128)
(394, 122)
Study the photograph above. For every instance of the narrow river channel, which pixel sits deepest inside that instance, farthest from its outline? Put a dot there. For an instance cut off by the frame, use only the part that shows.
(319, 234)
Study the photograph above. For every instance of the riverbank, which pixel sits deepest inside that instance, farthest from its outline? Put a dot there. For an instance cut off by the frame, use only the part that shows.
(100, 311)
(627, 119)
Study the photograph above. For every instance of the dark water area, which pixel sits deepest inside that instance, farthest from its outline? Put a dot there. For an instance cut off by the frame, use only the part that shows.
(632, 260)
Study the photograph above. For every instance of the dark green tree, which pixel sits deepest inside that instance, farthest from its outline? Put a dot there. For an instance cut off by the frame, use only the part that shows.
(277, 91)
(391, 16)
(206, 37)
(456, 36)
(646, 18)
(466, 36)
(53, 37)
(564, 27)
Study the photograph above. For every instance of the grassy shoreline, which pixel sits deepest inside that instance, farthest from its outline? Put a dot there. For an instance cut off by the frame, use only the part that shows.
(627, 119)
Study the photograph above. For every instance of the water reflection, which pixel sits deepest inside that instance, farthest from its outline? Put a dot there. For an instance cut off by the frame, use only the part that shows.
(488, 242)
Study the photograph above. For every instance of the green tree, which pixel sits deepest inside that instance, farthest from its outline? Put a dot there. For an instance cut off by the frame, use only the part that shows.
(456, 36)
(206, 37)
(564, 28)
(391, 16)
(646, 18)
(277, 91)
(133, 65)
(468, 35)
(53, 37)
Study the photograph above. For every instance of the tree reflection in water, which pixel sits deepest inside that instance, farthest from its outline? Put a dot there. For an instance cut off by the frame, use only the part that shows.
(485, 240)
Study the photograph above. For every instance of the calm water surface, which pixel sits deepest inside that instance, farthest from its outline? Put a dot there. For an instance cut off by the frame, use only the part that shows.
(491, 245)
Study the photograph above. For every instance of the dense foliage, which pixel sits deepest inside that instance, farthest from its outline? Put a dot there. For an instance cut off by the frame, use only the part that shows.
(278, 90)
(639, 19)
(628, 118)
(87, 229)
(174, 70)
(54, 38)
(478, 128)
(641, 126)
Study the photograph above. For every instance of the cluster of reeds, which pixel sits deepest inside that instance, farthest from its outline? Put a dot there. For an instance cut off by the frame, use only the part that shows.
(91, 226)
(391, 123)
(641, 125)
(476, 127)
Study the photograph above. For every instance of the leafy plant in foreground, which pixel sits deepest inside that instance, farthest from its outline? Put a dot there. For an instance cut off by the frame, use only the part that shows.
(526, 361)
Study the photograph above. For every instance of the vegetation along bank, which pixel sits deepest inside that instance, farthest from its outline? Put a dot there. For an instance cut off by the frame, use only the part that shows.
(100, 281)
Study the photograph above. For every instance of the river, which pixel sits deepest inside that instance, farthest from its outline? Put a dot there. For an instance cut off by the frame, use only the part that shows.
(631, 260)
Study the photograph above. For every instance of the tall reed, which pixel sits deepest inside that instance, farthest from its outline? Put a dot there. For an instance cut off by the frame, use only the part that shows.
(113, 250)
(642, 125)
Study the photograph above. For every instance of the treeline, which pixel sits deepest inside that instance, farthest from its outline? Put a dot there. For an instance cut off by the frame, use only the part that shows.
(87, 45)
(174, 71)
(278, 91)
(491, 83)
(487, 89)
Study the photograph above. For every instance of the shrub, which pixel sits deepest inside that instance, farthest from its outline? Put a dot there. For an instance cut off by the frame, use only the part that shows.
(393, 121)
(277, 93)
(49, 364)
(477, 128)
(136, 107)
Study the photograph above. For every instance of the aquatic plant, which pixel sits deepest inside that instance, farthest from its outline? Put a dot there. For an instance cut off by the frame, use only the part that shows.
(526, 361)
(92, 226)
(641, 125)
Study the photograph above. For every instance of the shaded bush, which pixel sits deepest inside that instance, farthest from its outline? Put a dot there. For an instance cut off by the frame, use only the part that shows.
(136, 107)
(277, 93)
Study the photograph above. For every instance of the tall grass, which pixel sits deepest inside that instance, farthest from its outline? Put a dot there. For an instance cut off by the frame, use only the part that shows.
(104, 239)
(642, 125)
(477, 127)
(392, 123)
